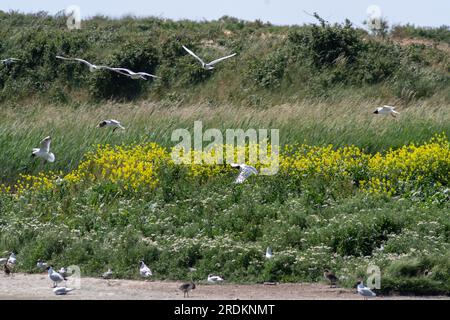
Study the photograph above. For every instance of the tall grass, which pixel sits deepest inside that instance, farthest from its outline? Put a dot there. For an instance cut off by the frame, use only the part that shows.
(74, 130)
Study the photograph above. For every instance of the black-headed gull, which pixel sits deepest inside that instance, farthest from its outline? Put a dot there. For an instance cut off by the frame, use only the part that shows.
(186, 287)
(365, 291)
(246, 171)
(62, 290)
(63, 273)
(386, 110)
(330, 277)
(92, 67)
(9, 61)
(54, 276)
(108, 274)
(44, 150)
(209, 65)
(12, 260)
(269, 253)
(41, 264)
(144, 270)
(110, 123)
(132, 74)
(214, 279)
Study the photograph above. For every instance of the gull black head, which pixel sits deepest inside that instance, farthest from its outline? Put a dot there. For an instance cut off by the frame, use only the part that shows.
(376, 112)
(102, 124)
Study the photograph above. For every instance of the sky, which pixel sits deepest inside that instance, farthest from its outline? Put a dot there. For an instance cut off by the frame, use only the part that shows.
(280, 12)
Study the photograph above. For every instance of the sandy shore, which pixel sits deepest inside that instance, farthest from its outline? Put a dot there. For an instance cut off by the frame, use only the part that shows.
(39, 287)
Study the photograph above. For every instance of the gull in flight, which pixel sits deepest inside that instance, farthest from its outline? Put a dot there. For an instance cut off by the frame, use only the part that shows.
(214, 279)
(186, 287)
(269, 253)
(44, 150)
(209, 65)
(246, 171)
(330, 277)
(365, 291)
(92, 67)
(132, 74)
(54, 276)
(8, 61)
(62, 290)
(386, 110)
(41, 264)
(110, 123)
(144, 270)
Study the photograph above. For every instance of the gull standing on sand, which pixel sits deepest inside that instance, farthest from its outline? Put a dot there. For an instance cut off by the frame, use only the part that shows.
(108, 274)
(386, 110)
(41, 264)
(54, 276)
(132, 74)
(110, 123)
(44, 150)
(269, 253)
(63, 273)
(12, 260)
(209, 65)
(186, 287)
(8, 61)
(62, 290)
(365, 291)
(92, 67)
(144, 270)
(246, 171)
(214, 279)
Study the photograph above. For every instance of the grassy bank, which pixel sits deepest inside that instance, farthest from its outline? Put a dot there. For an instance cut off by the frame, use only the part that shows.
(364, 189)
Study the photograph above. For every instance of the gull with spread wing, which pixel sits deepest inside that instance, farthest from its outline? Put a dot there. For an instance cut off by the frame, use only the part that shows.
(44, 150)
(209, 65)
(132, 74)
(92, 67)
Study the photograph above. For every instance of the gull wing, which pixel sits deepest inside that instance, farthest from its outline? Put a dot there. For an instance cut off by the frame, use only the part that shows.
(220, 59)
(120, 71)
(79, 60)
(51, 157)
(246, 171)
(84, 61)
(194, 55)
(64, 58)
(123, 69)
(45, 143)
(147, 74)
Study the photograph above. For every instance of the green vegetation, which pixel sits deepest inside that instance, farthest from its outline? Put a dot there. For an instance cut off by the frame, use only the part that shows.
(274, 64)
(318, 84)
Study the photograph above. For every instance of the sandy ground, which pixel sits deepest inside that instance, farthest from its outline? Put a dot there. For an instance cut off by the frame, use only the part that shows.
(39, 287)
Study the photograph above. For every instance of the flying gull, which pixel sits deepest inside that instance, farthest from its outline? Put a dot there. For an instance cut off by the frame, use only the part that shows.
(209, 65)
